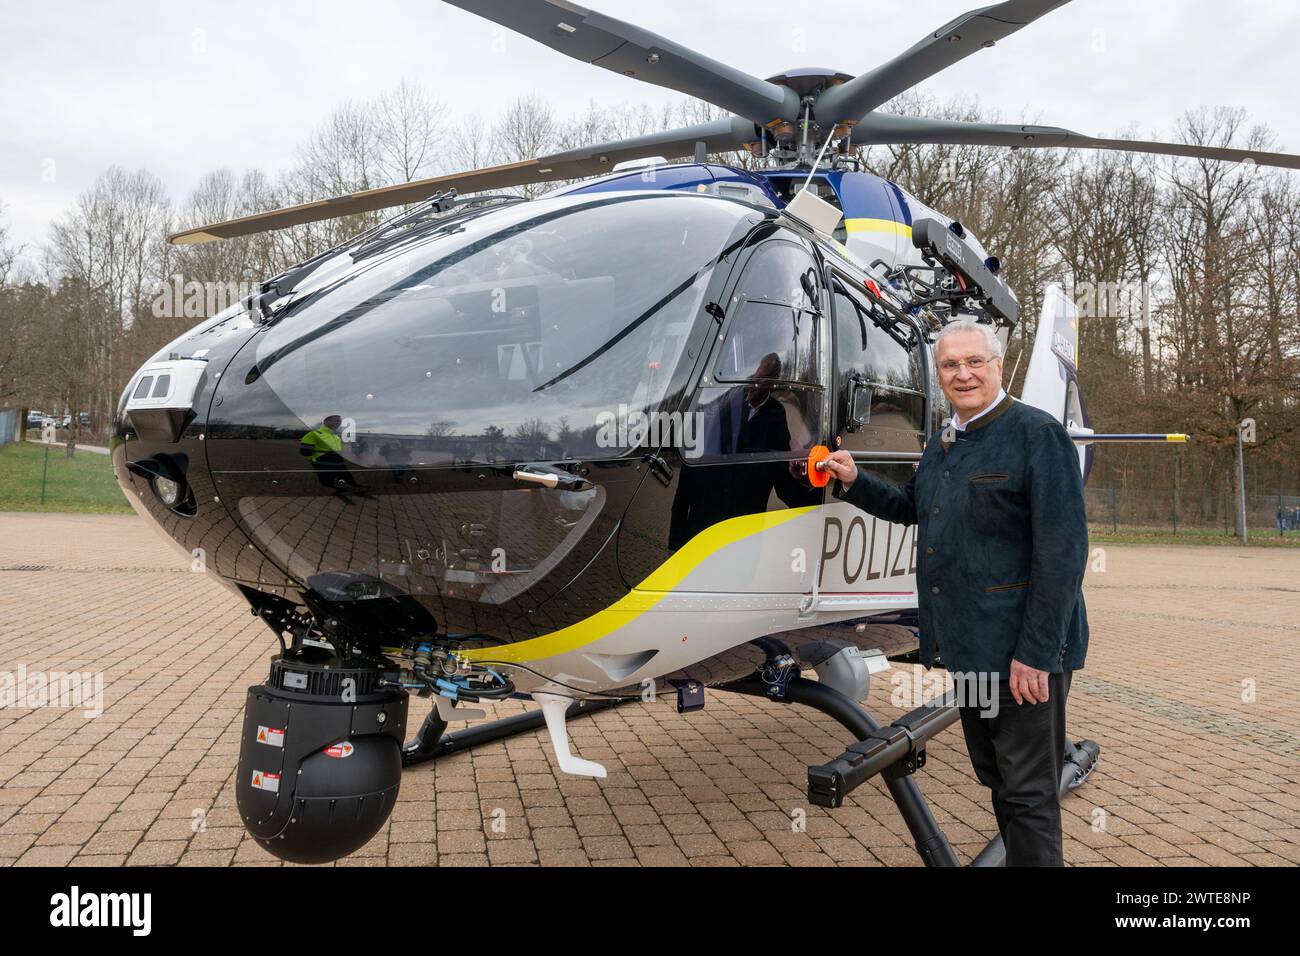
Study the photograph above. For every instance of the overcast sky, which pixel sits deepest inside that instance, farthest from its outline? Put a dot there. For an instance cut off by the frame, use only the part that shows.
(181, 88)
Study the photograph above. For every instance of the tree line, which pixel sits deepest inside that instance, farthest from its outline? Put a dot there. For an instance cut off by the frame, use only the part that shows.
(1187, 272)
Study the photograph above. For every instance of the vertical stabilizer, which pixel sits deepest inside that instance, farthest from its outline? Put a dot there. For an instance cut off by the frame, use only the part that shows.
(1052, 379)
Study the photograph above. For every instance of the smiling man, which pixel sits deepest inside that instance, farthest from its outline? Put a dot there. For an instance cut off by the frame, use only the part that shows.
(1002, 541)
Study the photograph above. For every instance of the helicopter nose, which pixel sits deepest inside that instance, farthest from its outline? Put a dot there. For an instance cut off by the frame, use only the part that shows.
(162, 397)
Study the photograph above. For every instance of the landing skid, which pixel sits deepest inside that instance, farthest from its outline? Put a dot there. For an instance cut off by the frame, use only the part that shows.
(895, 752)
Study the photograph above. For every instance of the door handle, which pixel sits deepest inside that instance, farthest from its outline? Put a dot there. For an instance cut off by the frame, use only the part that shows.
(550, 477)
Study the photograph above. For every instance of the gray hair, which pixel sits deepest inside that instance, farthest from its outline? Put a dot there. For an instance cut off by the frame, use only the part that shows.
(958, 326)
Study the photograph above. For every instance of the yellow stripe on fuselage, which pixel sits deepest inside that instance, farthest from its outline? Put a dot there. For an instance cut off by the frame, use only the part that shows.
(643, 597)
(877, 225)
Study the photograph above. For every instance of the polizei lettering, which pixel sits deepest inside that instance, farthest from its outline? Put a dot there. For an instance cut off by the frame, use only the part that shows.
(867, 549)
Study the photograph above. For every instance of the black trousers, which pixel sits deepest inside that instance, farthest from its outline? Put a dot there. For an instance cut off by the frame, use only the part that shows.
(332, 472)
(1018, 754)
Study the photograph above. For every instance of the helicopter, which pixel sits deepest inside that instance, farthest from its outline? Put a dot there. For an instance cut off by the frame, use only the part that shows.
(568, 448)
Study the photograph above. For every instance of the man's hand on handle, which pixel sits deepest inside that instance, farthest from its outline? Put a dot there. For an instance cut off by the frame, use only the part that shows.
(840, 465)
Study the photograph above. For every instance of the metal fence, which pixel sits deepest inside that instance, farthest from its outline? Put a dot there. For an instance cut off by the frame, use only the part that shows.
(1189, 491)
(1117, 510)
(9, 425)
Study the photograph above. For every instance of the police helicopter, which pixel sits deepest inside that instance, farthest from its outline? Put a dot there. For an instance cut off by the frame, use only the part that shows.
(568, 449)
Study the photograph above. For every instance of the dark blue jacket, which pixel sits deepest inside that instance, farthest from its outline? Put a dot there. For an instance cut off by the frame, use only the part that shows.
(1001, 544)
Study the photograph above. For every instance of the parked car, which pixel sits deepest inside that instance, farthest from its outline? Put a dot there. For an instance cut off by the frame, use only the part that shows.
(35, 419)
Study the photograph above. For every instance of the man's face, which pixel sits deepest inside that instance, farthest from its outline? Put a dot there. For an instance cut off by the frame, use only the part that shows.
(970, 391)
(334, 423)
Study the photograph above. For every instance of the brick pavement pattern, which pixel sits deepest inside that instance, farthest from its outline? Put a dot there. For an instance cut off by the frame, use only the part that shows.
(1188, 689)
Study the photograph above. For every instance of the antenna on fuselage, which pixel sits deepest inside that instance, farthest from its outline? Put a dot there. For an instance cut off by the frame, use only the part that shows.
(810, 208)
(818, 161)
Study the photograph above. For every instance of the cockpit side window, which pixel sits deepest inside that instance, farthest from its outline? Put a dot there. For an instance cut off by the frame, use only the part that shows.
(766, 396)
(773, 331)
(879, 355)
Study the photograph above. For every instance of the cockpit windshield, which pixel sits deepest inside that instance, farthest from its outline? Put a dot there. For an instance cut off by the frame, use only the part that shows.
(529, 333)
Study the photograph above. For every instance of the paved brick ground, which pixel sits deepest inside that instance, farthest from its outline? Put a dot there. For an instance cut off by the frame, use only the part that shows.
(1190, 689)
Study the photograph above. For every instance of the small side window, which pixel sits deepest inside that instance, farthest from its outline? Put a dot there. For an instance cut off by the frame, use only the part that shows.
(881, 376)
(768, 400)
(142, 390)
(774, 328)
(162, 386)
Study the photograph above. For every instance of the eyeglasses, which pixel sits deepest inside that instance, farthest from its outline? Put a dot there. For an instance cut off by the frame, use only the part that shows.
(975, 363)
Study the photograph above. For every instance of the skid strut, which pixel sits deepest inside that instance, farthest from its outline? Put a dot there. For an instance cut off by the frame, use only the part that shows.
(432, 742)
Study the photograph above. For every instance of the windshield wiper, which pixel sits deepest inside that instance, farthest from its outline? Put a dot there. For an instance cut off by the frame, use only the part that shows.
(442, 210)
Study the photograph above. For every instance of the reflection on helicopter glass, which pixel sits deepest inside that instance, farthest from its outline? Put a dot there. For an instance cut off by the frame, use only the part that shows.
(321, 447)
(755, 441)
(508, 341)
(757, 432)
(770, 346)
(886, 358)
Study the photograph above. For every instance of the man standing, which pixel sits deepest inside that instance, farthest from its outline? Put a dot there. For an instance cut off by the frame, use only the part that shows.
(322, 447)
(1002, 541)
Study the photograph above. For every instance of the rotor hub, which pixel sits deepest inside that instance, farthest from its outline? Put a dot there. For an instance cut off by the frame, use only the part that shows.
(809, 81)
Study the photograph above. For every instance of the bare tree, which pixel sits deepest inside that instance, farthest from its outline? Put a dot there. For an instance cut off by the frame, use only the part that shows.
(109, 251)
(408, 130)
(470, 145)
(16, 306)
(526, 129)
(1218, 345)
(1106, 209)
(9, 252)
(362, 145)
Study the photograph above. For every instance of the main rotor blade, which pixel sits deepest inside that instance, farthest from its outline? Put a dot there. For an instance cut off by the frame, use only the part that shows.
(623, 48)
(952, 42)
(718, 136)
(886, 128)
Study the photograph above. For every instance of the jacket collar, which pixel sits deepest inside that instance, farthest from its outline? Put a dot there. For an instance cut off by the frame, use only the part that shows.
(991, 415)
(951, 434)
